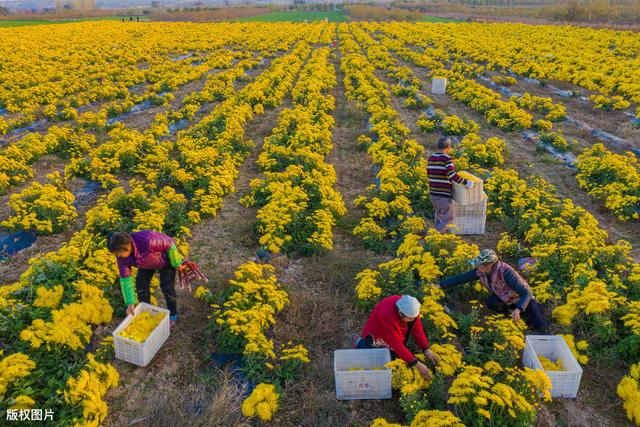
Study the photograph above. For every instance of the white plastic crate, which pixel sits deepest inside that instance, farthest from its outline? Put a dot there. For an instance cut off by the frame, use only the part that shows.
(475, 209)
(469, 224)
(553, 347)
(439, 85)
(141, 353)
(468, 196)
(362, 384)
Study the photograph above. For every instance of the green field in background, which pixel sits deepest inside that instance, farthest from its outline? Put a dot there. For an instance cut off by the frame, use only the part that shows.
(429, 18)
(333, 16)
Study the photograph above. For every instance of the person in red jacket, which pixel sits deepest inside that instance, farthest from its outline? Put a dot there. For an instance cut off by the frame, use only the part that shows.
(149, 251)
(389, 325)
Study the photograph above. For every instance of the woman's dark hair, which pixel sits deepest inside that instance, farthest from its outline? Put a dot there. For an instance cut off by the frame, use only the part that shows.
(118, 241)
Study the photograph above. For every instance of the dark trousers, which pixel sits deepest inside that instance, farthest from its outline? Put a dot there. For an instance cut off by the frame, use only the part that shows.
(533, 316)
(365, 342)
(167, 285)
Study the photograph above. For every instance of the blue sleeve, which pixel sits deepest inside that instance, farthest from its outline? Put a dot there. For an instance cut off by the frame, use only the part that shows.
(459, 279)
(525, 294)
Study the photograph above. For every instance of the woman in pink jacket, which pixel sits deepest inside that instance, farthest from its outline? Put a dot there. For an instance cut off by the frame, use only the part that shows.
(149, 251)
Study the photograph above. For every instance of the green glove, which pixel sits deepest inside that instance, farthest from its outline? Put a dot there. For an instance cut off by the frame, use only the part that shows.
(128, 290)
(174, 256)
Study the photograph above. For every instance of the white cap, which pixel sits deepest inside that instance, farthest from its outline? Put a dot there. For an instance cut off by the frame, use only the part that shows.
(408, 306)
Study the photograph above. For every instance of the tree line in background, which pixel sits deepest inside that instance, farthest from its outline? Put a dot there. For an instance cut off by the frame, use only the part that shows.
(206, 14)
(376, 13)
(578, 11)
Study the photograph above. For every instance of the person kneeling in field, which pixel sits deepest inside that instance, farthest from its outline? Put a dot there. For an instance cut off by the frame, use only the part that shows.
(148, 251)
(389, 325)
(508, 290)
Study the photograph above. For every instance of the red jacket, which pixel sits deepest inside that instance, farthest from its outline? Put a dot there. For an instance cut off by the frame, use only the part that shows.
(389, 330)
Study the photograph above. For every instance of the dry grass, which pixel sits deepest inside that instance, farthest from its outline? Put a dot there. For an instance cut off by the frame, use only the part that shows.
(198, 405)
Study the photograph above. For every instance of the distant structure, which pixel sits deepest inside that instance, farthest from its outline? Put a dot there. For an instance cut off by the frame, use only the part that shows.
(75, 5)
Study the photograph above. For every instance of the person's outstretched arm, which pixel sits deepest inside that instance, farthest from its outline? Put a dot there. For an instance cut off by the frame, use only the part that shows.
(458, 279)
(453, 175)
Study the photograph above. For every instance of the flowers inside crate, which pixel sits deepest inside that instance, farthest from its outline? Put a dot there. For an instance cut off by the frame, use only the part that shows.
(467, 196)
(139, 337)
(551, 365)
(551, 354)
(142, 326)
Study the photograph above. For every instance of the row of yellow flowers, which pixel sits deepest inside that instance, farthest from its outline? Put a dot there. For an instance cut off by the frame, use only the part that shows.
(400, 193)
(245, 313)
(297, 203)
(612, 178)
(242, 321)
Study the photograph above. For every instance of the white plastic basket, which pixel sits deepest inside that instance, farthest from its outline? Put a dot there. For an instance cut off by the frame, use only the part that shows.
(141, 353)
(564, 383)
(362, 384)
(468, 224)
(468, 196)
(475, 209)
(439, 85)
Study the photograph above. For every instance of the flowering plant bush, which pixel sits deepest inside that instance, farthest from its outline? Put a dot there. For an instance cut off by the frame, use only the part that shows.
(45, 209)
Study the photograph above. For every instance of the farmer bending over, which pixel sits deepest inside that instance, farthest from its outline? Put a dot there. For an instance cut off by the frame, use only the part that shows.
(442, 172)
(148, 251)
(389, 325)
(508, 290)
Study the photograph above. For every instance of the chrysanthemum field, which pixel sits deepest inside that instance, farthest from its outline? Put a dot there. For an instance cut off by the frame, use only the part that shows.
(289, 161)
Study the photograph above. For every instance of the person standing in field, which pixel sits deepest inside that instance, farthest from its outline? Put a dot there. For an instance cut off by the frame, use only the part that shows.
(390, 324)
(149, 251)
(442, 172)
(507, 289)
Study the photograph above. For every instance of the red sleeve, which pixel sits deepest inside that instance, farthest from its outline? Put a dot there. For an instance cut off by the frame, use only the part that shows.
(453, 175)
(418, 334)
(400, 349)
